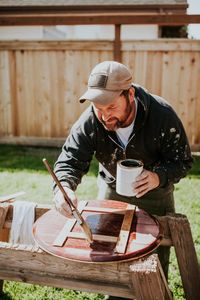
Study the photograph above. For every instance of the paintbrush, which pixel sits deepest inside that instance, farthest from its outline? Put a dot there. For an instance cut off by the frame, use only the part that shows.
(86, 229)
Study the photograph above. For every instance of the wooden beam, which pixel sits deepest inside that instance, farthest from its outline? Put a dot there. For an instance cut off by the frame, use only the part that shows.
(147, 279)
(117, 43)
(46, 5)
(49, 279)
(18, 257)
(74, 18)
(186, 255)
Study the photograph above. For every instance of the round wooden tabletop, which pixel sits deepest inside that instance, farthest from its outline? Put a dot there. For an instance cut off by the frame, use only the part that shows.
(105, 218)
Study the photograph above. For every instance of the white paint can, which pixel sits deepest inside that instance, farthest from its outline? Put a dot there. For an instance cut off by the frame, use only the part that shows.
(127, 171)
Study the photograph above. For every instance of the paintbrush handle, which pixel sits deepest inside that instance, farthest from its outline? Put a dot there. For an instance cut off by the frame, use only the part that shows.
(73, 208)
(70, 203)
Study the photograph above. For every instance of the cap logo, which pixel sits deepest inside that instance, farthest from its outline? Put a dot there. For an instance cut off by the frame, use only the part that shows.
(97, 81)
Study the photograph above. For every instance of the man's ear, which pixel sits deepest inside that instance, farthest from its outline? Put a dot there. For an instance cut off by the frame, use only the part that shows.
(131, 94)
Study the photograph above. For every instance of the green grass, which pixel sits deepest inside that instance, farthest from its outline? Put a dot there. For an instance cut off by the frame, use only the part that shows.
(21, 169)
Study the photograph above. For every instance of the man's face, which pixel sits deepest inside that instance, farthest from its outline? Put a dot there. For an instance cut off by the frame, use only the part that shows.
(117, 114)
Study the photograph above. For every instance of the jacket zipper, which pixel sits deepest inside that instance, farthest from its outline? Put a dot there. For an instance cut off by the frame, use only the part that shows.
(124, 149)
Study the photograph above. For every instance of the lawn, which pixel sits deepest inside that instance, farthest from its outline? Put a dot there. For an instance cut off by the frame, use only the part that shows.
(21, 169)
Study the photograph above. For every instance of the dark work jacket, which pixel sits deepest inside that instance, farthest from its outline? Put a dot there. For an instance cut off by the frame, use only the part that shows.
(158, 139)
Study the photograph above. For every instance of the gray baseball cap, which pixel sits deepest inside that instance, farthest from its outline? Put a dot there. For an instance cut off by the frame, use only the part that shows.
(107, 81)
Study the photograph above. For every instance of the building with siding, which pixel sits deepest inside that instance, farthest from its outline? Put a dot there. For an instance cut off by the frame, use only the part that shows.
(94, 32)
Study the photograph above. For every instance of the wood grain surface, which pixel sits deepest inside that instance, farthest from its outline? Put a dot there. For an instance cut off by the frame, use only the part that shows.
(145, 233)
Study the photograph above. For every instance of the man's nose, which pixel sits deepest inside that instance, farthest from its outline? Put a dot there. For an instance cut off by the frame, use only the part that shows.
(105, 116)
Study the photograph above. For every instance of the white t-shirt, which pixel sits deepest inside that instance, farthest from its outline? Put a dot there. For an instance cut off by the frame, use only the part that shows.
(124, 133)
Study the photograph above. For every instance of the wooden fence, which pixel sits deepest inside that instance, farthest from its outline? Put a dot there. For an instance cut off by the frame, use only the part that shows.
(40, 83)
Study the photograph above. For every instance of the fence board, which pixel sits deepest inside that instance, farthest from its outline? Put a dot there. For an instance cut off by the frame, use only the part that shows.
(41, 81)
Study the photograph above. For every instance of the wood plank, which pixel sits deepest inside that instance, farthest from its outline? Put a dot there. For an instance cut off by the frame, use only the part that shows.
(5, 96)
(21, 91)
(141, 45)
(57, 45)
(95, 281)
(147, 280)
(13, 91)
(186, 255)
(4, 232)
(141, 67)
(21, 259)
(106, 209)
(125, 231)
(69, 18)
(64, 233)
(96, 237)
(162, 45)
(168, 60)
(193, 98)
(49, 279)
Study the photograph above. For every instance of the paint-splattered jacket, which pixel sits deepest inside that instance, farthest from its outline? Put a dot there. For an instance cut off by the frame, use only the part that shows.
(158, 139)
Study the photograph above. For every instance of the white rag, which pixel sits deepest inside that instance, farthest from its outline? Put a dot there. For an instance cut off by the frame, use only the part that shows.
(23, 219)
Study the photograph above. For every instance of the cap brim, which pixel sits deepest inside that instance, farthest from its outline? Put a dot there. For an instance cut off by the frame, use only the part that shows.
(100, 96)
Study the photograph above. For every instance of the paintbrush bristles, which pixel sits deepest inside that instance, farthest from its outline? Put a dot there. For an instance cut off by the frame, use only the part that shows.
(86, 228)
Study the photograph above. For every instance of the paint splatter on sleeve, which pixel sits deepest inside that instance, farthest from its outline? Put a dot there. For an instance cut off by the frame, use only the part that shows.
(175, 152)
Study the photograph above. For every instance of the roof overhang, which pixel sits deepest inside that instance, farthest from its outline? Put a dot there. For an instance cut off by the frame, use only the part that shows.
(61, 13)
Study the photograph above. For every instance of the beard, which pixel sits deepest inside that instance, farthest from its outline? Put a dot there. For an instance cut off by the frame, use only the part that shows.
(111, 126)
(127, 119)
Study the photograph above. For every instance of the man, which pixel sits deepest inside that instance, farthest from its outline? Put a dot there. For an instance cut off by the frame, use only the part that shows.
(125, 121)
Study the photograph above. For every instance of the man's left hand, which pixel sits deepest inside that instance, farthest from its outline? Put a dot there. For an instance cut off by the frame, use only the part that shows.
(145, 182)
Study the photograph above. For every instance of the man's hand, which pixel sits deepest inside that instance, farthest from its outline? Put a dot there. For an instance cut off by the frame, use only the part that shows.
(61, 204)
(145, 182)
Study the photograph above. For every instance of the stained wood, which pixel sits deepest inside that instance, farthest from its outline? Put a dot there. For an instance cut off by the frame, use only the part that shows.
(42, 209)
(64, 233)
(3, 213)
(144, 234)
(75, 18)
(117, 43)
(20, 257)
(4, 232)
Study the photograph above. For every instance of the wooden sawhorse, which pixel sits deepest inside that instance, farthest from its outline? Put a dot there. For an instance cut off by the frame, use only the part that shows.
(142, 279)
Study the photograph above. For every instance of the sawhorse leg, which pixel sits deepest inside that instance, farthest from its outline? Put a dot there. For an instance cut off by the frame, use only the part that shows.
(148, 280)
(1, 287)
(186, 255)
